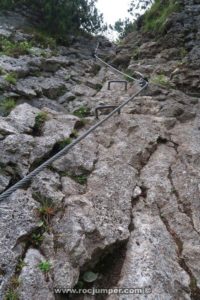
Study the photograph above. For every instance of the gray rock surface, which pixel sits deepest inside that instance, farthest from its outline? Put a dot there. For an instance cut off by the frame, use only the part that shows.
(18, 219)
(33, 282)
(124, 202)
(23, 118)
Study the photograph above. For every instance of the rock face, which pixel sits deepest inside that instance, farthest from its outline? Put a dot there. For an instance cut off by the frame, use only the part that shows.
(124, 202)
(173, 53)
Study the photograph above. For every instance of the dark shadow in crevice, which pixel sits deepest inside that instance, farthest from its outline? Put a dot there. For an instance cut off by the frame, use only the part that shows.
(108, 267)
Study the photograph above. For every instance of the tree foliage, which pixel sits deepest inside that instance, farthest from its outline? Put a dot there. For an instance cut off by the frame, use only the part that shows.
(138, 7)
(123, 27)
(61, 16)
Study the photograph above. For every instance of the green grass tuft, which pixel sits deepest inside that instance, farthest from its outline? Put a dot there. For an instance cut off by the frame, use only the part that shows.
(64, 143)
(45, 266)
(82, 112)
(37, 239)
(7, 105)
(81, 179)
(155, 18)
(11, 78)
(47, 209)
(40, 119)
(74, 134)
(11, 295)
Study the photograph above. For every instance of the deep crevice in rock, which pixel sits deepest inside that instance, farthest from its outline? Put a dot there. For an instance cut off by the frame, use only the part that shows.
(186, 207)
(194, 290)
(107, 265)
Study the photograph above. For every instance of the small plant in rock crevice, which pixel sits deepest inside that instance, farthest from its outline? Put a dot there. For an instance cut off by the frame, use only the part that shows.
(40, 119)
(14, 283)
(11, 295)
(36, 239)
(44, 266)
(46, 210)
(74, 134)
(81, 178)
(80, 124)
(20, 265)
(82, 112)
(62, 144)
(98, 87)
(67, 141)
(7, 105)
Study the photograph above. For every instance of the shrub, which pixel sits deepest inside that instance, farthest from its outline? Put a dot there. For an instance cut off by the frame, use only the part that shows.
(124, 27)
(43, 40)
(15, 49)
